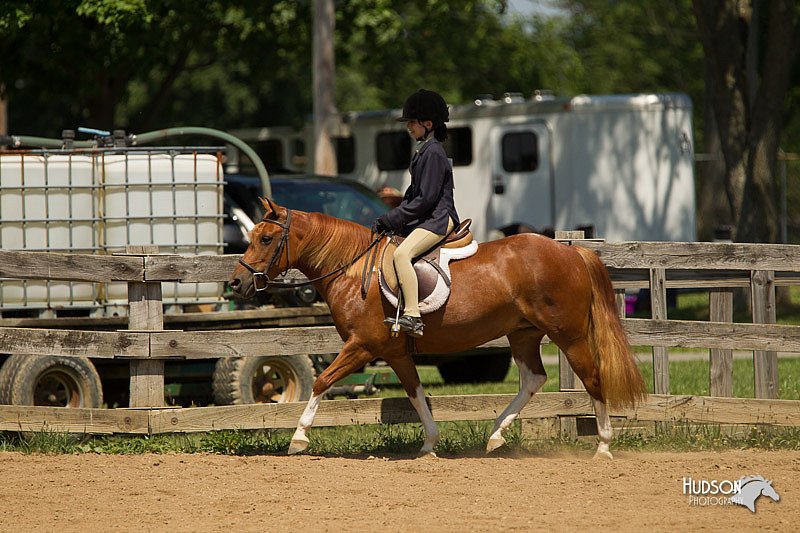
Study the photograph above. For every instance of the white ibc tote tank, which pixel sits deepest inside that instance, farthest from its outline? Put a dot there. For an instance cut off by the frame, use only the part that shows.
(170, 200)
(47, 203)
(100, 201)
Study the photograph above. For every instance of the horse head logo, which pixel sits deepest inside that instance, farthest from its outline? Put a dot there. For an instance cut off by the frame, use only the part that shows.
(751, 488)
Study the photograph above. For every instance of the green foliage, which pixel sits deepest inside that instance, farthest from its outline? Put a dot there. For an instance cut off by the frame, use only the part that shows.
(684, 437)
(147, 64)
(243, 442)
(44, 441)
(114, 14)
(143, 64)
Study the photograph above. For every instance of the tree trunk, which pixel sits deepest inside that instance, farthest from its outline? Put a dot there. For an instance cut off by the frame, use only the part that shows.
(3, 115)
(324, 87)
(719, 26)
(716, 208)
(748, 115)
(759, 213)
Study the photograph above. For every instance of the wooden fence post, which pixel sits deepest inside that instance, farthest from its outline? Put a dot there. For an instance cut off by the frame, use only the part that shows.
(568, 380)
(720, 368)
(765, 363)
(146, 313)
(658, 306)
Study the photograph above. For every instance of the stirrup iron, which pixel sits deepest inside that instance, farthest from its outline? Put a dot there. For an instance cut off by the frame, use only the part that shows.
(395, 324)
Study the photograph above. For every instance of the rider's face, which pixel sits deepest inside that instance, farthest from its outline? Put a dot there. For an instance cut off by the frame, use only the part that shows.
(416, 128)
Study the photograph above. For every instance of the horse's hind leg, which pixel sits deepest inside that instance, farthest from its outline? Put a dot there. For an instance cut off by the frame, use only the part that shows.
(525, 347)
(348, 361)
(604, 430)
(582, 362)
(404, 367)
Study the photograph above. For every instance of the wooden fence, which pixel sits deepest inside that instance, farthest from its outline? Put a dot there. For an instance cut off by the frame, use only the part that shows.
(718, 268)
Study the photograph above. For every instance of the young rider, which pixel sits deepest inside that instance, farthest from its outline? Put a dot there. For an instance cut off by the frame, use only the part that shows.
(427, 213)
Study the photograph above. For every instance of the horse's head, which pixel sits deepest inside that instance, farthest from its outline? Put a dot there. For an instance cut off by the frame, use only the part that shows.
(768, 490)
(268, 252)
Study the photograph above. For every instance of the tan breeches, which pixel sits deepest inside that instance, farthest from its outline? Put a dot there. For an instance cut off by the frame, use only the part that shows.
(417, 242)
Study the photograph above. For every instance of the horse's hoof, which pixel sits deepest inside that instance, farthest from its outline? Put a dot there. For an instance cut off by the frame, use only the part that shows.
(429, 455)
(494, 443)
(603, 455)
(298, 445)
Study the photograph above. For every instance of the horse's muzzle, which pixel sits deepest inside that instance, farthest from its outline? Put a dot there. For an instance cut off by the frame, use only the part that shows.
(241, 288)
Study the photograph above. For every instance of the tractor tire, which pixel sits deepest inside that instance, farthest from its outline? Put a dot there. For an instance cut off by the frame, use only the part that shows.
(263, 379)
(476, 369)
(302, 296)
(50, 380)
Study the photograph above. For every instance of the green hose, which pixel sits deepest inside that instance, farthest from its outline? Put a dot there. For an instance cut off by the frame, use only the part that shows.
(148, 137)
(15, 141)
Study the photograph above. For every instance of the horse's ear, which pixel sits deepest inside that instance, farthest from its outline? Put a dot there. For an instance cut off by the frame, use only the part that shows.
(270, 208)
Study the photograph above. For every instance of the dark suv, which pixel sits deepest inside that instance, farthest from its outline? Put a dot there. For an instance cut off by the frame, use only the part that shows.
(338, 197)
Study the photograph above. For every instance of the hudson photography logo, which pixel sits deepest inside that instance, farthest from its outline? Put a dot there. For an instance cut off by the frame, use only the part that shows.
(744, 491)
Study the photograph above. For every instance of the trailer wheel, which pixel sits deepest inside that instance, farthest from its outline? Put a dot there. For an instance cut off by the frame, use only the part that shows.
(50, 380)
(476, 369)
(263, 379)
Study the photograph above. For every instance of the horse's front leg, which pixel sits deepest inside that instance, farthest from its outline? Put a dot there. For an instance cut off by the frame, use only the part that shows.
(406, 371)
(348, 361)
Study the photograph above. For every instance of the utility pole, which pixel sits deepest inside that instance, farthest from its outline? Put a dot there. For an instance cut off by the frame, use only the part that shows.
(324, 81)
(3, 112)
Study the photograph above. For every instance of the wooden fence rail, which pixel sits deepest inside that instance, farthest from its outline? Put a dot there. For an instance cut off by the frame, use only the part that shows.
(716, 267)
(545, 405)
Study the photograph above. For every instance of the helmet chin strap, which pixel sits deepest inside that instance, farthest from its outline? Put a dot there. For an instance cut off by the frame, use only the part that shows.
(425, 136)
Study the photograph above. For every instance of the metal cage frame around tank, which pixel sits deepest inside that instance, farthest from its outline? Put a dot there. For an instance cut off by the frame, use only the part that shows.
(50, 216)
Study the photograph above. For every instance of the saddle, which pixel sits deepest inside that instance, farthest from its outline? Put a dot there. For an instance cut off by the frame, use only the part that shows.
(433, 272)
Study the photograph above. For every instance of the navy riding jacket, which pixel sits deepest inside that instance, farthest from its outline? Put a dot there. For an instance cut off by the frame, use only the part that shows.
(428, 201)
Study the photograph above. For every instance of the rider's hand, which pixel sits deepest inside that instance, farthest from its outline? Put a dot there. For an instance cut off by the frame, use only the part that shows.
(381, 225)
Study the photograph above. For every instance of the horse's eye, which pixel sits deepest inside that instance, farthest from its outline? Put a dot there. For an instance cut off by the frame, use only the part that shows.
(266, 239)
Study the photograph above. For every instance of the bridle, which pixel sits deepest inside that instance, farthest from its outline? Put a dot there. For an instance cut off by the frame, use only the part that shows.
(260, 279)
(262, 282)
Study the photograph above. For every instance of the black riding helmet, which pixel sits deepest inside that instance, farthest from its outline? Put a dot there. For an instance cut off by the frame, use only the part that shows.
(425, 105)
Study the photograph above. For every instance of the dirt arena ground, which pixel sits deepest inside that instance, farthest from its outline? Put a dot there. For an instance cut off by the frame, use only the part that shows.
(636, 492)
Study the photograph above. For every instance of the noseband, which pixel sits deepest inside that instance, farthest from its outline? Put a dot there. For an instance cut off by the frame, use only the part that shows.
(262, 282)
(260, 279)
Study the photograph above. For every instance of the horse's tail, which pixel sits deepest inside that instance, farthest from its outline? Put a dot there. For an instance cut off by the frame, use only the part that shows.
(621, 383)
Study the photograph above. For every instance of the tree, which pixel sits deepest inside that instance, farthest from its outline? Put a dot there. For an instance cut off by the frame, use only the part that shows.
(750, 49)
(146, 64)
(152, 63)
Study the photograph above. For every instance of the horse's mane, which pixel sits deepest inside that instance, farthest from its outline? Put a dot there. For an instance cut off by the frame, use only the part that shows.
(745, 480)
(331, 242)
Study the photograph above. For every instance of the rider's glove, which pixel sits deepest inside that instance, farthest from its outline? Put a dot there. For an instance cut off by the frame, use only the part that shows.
(381, 225)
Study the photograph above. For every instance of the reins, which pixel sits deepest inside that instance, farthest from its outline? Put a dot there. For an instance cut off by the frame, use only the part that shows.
(262, 282)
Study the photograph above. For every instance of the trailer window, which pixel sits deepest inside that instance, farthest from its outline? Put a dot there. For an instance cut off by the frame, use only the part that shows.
(459, 146)
(271, 153)
(345, 154)
(394, 150)
(520, 152)
(298, 153)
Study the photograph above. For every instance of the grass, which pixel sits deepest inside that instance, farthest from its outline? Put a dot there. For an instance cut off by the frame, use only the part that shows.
(457, 438)
(694, 305)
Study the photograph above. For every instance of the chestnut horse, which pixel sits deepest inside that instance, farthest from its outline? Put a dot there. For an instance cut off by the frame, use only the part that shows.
(523, 287)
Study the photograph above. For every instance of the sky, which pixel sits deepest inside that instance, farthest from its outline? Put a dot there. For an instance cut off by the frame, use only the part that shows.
(528, 7)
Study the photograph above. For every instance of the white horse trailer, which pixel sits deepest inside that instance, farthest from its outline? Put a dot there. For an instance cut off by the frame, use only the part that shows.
(619, 164)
